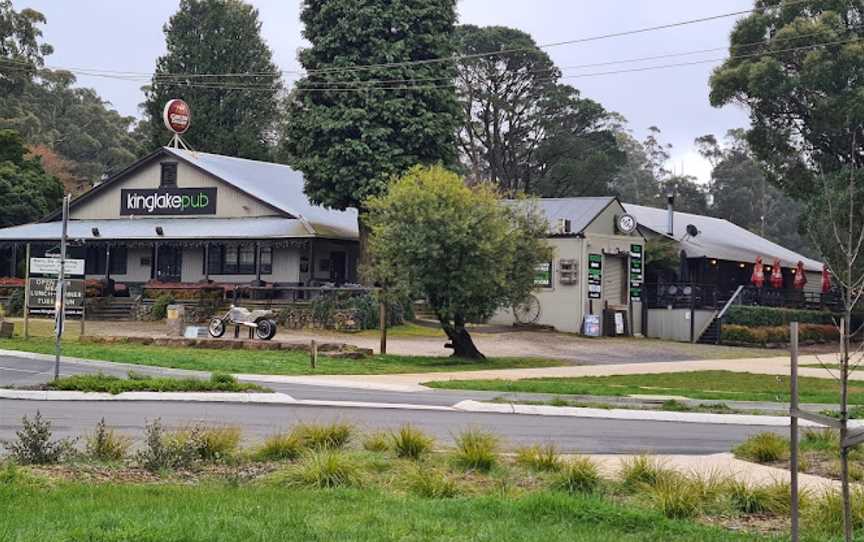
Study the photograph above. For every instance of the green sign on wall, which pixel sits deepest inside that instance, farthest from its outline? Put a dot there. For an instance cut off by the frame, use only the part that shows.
(595, 276)
(636, 272)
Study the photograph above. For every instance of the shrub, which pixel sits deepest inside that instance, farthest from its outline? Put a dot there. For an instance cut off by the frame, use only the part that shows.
(221, 378)
(750, 316)
(136, 382)
(15, 305)
(540, 458)
(477, 450)
(280, 447)
(185, 447)
(376, 442)
(764, 447)
(34, 446)
(578, 475)
(325, 469)
(777, 334)
(105, 444)
(643, 470)
(432, 484)
(324, 437)
(409, 442)
(160, 307)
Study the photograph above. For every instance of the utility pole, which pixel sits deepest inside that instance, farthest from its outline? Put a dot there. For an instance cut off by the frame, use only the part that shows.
(60, 305)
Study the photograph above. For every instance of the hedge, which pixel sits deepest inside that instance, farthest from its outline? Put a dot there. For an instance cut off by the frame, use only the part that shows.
(762, 335)
(745, 315)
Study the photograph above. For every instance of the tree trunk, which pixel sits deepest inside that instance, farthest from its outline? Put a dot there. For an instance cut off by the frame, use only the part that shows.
(363, 249)
(460, 341)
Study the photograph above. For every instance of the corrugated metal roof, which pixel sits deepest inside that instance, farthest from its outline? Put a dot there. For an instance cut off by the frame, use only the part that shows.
(173, 228)
(718, 238)
(278, 185)
(579, 211)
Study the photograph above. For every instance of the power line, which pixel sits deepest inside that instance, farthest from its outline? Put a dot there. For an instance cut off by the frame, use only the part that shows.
(456, 58)
(217, 86)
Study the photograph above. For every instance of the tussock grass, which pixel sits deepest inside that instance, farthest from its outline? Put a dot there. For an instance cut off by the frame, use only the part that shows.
(376, 442)
(325, 469)
(332, 436)
(643, 470)
(105, 444)
(826, 512)
(578, 475)
(542, 458)
(764, 447)
(822, 440)
(476, 450)
(773, 498)
(432, 483)
(410, 443)
(675, 498)
(279, 447)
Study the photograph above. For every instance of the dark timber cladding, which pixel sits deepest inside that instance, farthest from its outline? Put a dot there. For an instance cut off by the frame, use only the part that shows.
(179, 216)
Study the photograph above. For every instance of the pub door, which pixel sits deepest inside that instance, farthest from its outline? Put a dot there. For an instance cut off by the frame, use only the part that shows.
(169, 264)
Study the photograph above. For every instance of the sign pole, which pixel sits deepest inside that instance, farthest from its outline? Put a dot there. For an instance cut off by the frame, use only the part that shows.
(27, 295)
(61, 290)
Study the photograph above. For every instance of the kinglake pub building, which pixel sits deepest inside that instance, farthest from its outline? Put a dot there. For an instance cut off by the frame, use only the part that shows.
(185, 221)
(178, 217)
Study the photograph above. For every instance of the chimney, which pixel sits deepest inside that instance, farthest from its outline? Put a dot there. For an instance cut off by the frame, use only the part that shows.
(670, 214)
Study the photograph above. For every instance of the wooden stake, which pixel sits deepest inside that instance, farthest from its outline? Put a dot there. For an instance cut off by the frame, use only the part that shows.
(313, 353)
(793, 428)
(382, 324)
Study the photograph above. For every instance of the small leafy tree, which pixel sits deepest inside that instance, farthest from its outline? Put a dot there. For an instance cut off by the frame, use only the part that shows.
(460, 247)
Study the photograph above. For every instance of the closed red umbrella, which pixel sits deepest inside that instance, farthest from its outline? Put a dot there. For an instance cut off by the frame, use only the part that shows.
(826, 279)
(776, 274)
(800, 276)
(758, 276)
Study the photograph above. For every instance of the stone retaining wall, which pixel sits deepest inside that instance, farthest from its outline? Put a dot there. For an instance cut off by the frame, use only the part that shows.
(334, 350)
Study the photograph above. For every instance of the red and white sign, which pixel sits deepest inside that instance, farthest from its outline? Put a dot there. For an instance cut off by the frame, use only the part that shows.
(177, 116)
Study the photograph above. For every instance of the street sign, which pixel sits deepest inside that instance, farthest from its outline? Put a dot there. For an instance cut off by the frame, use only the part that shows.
(51, 266)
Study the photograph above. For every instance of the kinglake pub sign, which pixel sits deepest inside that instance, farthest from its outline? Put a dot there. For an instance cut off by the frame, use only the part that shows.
(167, 201)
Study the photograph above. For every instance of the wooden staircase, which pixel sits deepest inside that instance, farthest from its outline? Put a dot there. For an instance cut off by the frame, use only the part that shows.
(112, 308)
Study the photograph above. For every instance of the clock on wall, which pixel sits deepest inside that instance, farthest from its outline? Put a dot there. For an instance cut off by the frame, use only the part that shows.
(626, 223)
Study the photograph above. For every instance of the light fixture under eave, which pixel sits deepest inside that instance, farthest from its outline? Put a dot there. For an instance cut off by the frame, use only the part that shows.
(713, 262)
(159, 231)
(741, 265)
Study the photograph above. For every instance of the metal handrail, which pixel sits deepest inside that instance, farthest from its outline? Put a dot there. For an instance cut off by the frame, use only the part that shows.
(729, 303)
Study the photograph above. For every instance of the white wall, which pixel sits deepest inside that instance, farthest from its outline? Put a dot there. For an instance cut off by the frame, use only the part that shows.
(230, 203)
(674, 324)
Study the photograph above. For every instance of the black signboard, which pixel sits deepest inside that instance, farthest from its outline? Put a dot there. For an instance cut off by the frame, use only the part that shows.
(168, 201)
(43, 295)
(595, 276)
(636, 272)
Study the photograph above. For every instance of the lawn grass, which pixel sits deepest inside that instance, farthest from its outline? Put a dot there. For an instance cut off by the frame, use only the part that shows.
(113, 384)
(215, 512)
(279, 362)
(719, 385)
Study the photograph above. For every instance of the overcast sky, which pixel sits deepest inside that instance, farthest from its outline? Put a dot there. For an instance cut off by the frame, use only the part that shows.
(126, 35)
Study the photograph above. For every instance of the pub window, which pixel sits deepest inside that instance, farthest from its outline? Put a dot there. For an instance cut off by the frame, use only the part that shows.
(246, 259)
(118, 261)
(229, 260)
(238, 260)
(168, 178)
(94, 261)
(266, 260)
(324, 265)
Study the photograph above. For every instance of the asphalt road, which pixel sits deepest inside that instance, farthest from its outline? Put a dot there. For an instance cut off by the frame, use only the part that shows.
(73, 418)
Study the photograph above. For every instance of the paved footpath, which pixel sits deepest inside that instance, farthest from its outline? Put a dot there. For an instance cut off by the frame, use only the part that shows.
(412, 382)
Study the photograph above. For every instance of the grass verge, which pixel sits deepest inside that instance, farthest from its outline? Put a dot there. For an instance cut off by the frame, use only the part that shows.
(215, 512)
(279, 362)
(136, 382)
(712, 385)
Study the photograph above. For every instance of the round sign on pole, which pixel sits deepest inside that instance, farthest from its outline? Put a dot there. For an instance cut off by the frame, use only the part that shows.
(177, 116)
